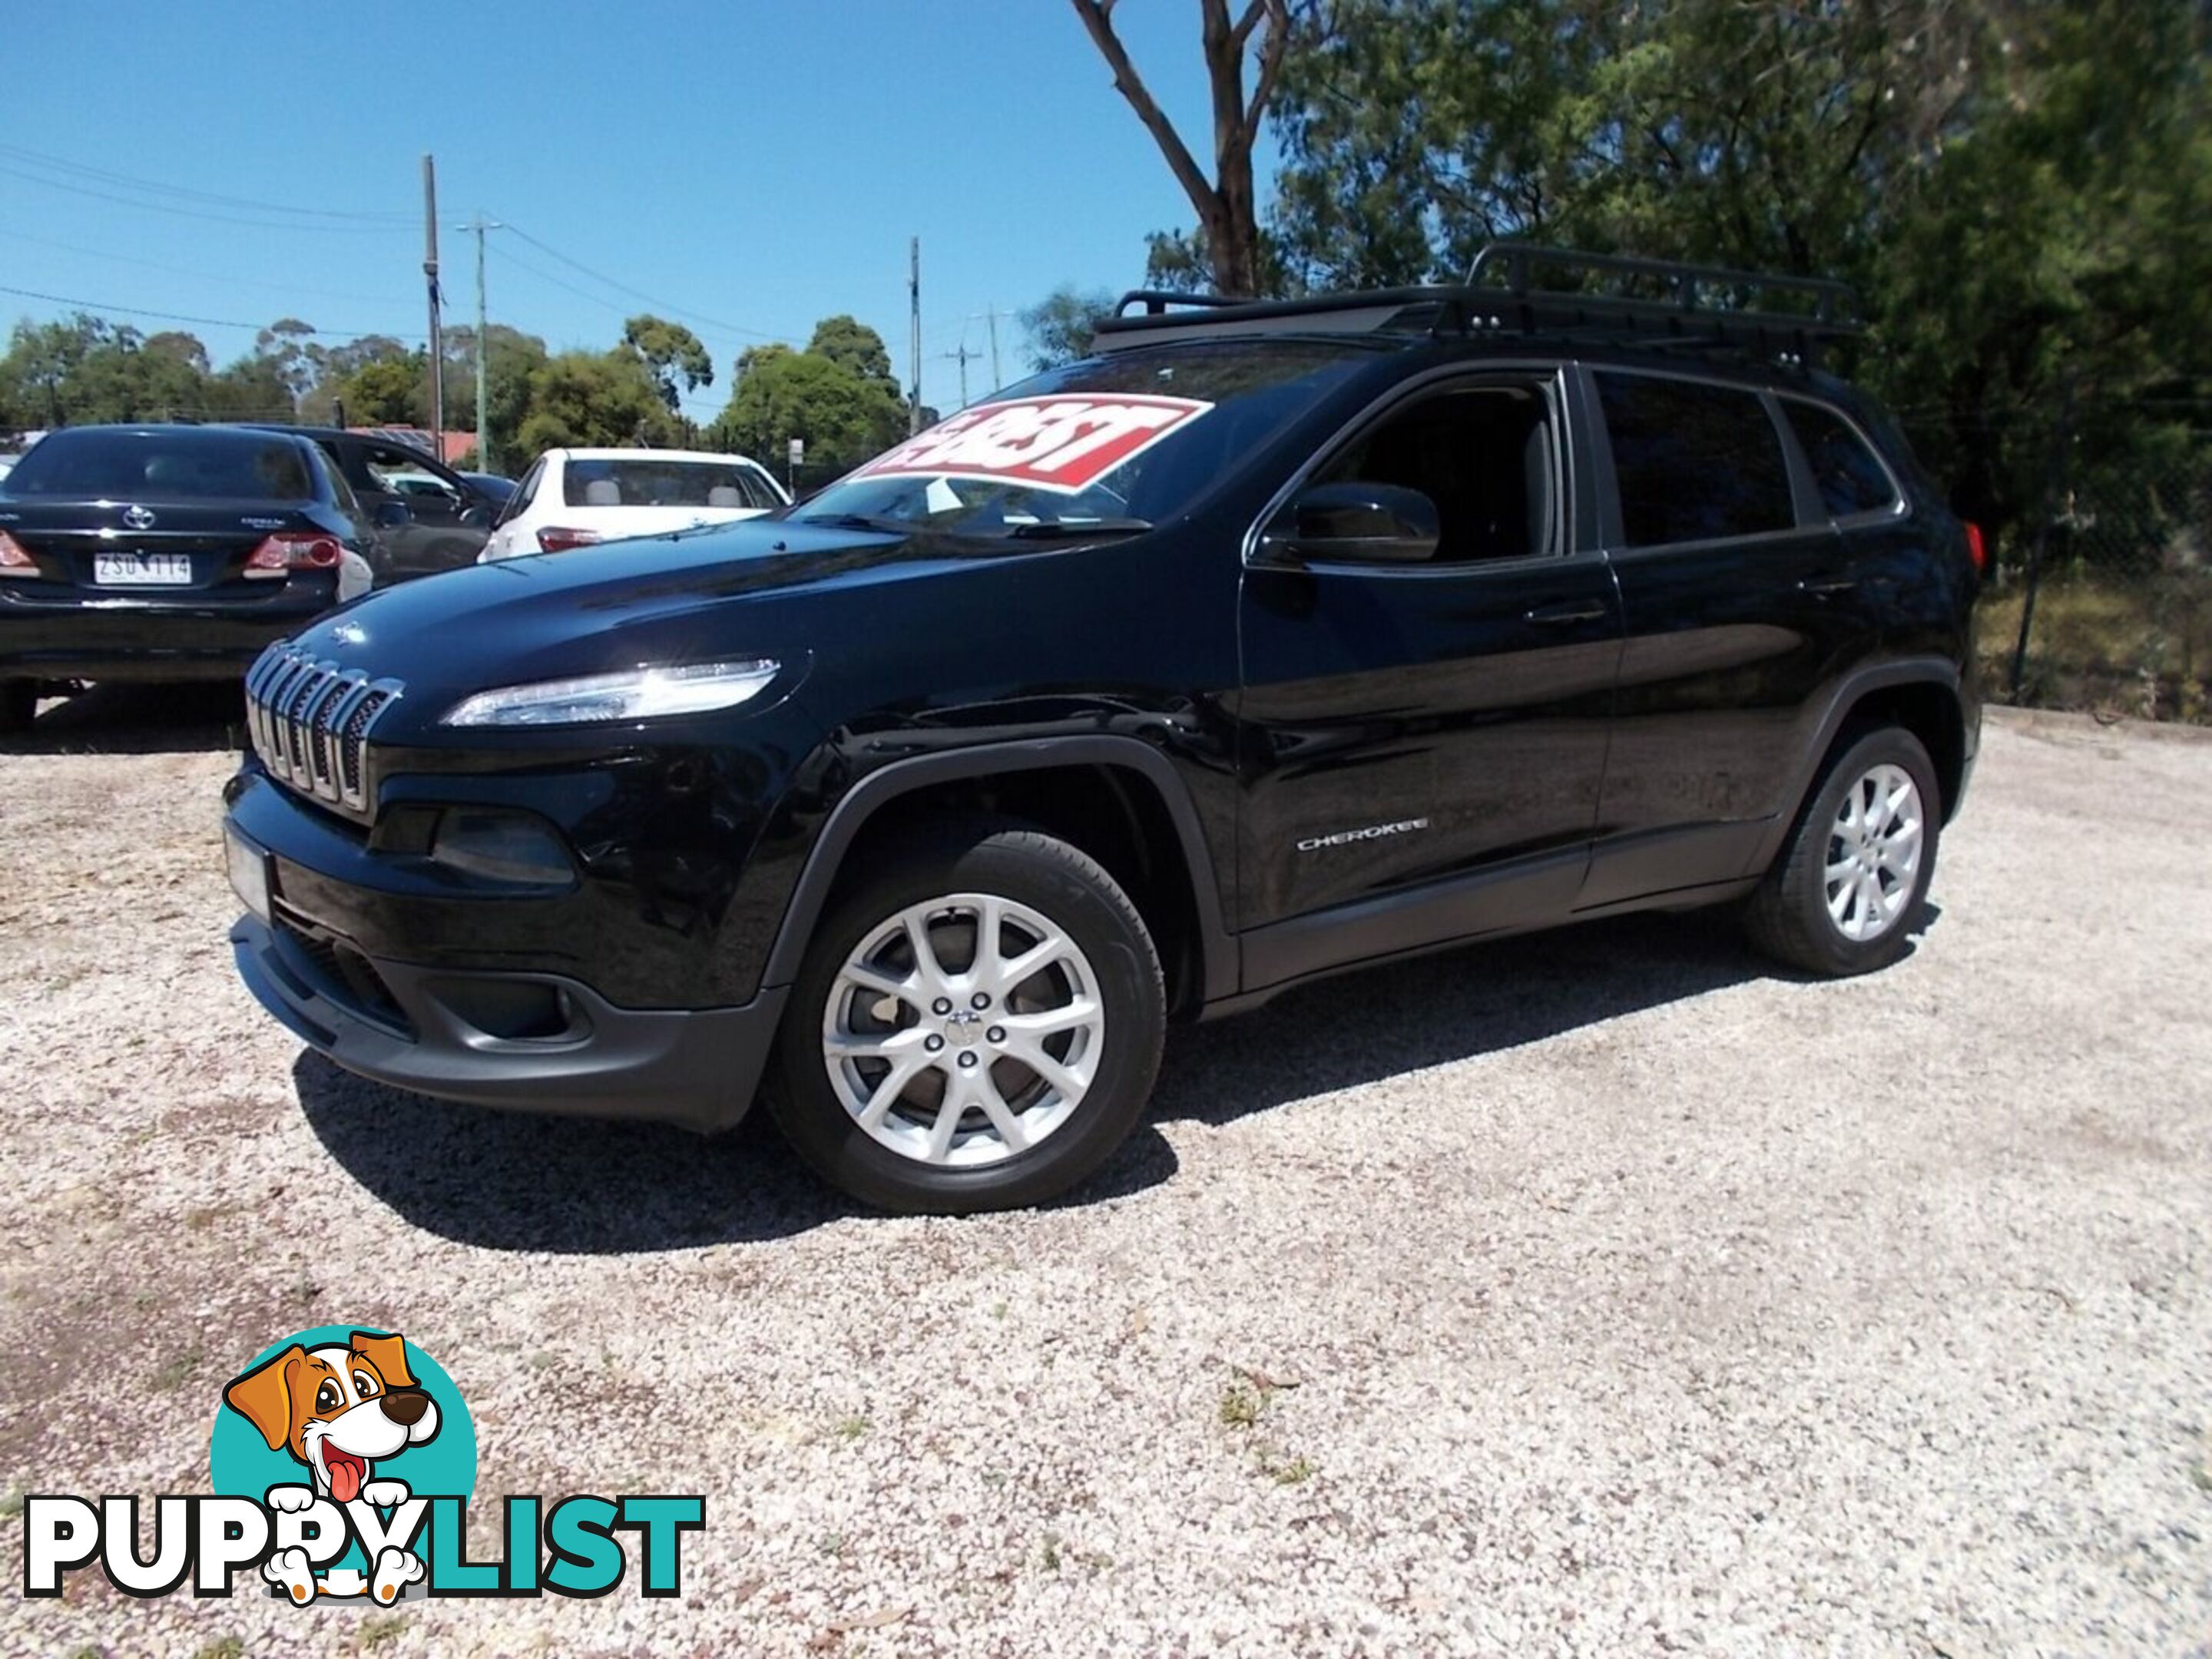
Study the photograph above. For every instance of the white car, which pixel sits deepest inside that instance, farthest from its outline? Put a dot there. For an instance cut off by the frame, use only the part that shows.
(573, 497)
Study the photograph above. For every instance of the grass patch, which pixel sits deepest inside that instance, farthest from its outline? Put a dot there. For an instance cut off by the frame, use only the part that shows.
(2141, 648)
(378, 1629)
(230, 1647)
(1285, 1471)
(11, 1503)
(175, 1369)
(1242, 1406)
(849, 1428)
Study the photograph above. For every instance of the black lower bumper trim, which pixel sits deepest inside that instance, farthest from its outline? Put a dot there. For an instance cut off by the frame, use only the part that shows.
(698, 1067)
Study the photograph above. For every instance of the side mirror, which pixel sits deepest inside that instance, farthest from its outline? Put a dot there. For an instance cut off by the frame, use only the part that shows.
(477, 516)
(390, 515)
(1360, 523)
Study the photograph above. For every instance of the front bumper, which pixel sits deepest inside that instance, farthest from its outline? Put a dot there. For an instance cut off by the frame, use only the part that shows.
(424, 1029)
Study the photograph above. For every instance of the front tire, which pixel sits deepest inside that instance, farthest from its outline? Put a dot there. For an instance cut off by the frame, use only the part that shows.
(1844, 894)
(976, 1027)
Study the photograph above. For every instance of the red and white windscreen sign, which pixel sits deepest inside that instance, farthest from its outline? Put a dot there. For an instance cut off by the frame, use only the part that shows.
(1063, 444)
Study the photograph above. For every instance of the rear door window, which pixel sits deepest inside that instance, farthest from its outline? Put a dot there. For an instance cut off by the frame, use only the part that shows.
(403, 473)
(1695, 462)
(1850, 476)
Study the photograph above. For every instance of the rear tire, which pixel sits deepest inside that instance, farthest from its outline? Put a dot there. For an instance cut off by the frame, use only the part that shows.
(19, 702)
(1844, 894)
(977, 1026)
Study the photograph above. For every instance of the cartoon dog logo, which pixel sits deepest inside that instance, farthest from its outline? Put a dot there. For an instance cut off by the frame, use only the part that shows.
(337, 1409)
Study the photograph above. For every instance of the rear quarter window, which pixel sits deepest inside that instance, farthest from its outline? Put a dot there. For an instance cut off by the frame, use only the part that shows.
(1850, 474)
(1694, 462)
(519, 502)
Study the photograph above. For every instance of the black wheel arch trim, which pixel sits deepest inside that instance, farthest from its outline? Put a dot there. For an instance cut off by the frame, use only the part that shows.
(1216, 950)
(1842, 696)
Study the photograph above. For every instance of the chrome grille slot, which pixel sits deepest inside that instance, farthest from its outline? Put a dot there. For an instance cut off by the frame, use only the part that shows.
(310, 722)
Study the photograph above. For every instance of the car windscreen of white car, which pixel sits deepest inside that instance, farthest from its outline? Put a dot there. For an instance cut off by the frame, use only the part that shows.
(664, 483)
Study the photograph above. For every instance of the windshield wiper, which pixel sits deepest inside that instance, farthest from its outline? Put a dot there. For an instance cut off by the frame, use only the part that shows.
(854, 521)
(1070, 528)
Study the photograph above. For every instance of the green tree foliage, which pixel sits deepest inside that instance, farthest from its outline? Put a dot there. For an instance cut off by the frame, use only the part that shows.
(1058, 328)
(288, 346)
(854, 344)
(838, 394)
(844, 412)
(672, 355)
(85, 368)
(183, 348)
(387, 392)
(586, 398)
(336, 367)
(2018, 191)
(512, 357)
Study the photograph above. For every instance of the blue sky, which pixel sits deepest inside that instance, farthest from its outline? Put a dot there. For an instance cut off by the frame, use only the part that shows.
(759, 164)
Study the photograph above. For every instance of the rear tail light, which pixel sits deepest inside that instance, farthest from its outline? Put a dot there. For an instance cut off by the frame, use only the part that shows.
(14, 560)
(1978, 549)
(554, 539)
(294, 550)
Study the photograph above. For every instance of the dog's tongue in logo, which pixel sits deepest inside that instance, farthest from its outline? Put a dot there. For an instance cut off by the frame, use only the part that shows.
(346, 1473)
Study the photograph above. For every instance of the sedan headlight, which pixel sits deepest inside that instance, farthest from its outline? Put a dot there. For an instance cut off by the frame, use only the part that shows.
(636, 694)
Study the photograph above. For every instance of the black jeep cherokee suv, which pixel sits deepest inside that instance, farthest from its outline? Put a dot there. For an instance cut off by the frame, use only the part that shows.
(1272, 640)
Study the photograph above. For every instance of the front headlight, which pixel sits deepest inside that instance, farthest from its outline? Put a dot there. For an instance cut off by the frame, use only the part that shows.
(636, 694)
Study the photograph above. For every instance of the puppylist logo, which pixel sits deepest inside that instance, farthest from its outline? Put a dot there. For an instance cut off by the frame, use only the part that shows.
(343, 1462)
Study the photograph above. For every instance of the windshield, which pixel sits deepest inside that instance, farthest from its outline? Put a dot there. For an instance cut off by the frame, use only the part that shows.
(1118, 442)
(110, 464)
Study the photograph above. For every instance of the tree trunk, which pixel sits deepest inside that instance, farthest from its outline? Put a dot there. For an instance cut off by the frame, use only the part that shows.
(1226, 206)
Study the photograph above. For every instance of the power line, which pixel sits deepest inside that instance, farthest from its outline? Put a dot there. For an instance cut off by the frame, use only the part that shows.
(185, 270)
(203, 322)
(639, 293)
(151, 186)
(600, 300)
(521, 264)
(190, 213)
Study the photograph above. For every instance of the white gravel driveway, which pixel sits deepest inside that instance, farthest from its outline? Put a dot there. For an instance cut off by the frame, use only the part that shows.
(1596, 1294)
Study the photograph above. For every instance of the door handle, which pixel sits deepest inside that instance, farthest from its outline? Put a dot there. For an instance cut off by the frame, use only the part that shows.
(1569, 610)
(1821, 587)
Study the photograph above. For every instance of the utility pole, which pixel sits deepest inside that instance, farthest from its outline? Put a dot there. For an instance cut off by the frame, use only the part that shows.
(430, 274)
(962, 355)
(480, 224)
(992, 317)
(913, 295)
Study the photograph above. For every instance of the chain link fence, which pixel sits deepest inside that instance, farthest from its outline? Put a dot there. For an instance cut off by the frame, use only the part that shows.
(2101, 594)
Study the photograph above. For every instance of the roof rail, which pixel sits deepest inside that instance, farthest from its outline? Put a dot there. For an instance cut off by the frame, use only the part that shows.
(1156, 301)
(1502, 294)
(1521, 262)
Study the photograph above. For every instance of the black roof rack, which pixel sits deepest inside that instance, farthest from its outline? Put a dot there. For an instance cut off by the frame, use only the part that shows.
(1502, 294)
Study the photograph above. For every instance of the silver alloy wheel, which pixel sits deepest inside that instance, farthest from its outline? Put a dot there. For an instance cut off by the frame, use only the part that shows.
(1874, 853)
(963, 1030)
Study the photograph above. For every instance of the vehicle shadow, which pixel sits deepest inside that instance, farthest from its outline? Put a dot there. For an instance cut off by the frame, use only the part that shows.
(203, 716)
(508, 1182)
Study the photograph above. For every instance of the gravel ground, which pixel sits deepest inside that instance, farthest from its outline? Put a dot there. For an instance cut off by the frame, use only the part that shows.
(1602, 1293)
